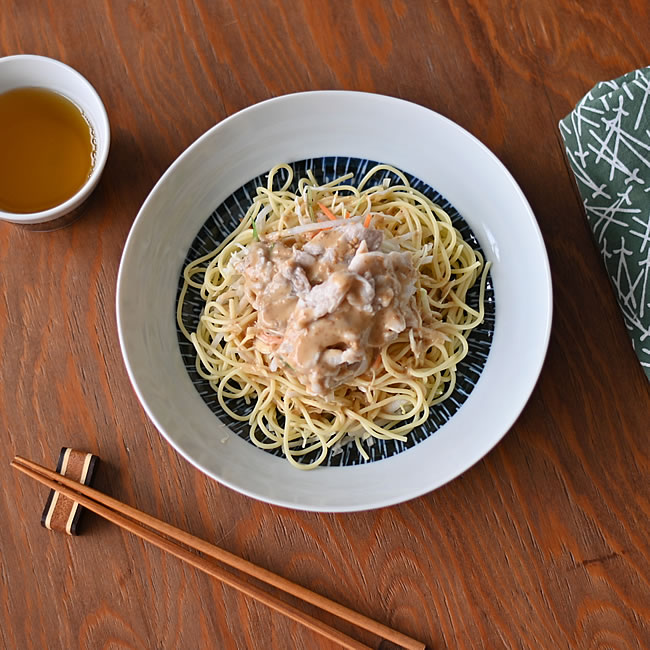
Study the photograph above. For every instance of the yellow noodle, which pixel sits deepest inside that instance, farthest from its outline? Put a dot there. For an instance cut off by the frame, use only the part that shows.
(415, 372)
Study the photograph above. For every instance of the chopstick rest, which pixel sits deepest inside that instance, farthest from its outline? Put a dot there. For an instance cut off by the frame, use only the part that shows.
(62, 513)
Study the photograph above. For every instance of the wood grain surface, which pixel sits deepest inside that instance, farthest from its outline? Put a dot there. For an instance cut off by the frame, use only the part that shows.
(542, 544)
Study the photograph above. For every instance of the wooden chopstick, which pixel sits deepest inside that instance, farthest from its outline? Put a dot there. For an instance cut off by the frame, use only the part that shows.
(199, 562)
(133, 520)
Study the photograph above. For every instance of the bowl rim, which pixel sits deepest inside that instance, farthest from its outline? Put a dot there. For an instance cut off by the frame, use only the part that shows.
(532, 374)
(84, 191)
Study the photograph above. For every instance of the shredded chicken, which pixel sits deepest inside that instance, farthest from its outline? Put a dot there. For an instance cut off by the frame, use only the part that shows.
(326, 305)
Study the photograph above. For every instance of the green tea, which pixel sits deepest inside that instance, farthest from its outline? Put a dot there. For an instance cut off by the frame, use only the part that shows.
(46, 150)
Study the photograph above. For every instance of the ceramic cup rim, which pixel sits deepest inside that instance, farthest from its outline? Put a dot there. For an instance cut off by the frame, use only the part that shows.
(100, 125)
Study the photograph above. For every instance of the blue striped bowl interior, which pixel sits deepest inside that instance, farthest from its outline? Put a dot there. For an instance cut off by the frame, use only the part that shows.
(225, 218)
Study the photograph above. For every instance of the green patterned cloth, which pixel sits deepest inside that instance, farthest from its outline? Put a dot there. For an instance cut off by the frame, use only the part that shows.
(607, 140)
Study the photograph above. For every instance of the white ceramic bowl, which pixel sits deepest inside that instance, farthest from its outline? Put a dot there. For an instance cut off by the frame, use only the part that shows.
(313, 124)
(29, 70)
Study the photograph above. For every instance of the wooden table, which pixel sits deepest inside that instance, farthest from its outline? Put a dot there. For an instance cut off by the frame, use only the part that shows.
(543, 544)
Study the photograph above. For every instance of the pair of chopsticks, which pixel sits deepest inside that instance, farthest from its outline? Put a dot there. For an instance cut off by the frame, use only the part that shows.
(174, 541)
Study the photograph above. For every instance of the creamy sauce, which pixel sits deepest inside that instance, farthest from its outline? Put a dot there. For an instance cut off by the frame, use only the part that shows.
(326, 305)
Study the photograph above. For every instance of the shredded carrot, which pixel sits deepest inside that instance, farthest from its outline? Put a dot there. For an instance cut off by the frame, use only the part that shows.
(346, 215)
(327, 212)
(367, 220)
(313, 233)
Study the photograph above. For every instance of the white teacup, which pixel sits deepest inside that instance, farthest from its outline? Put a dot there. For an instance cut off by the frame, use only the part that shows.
(27, 70)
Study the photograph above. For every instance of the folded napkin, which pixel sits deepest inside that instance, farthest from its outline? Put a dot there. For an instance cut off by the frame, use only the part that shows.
(607, 140)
